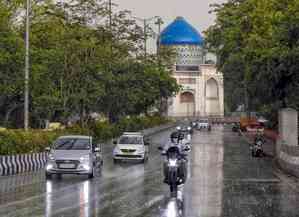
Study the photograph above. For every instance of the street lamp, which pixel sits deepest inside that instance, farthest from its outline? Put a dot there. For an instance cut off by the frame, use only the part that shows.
(159, 23)
(145, 30)
(26, 88)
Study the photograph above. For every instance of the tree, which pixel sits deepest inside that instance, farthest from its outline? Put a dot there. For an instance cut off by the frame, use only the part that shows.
(256, 42)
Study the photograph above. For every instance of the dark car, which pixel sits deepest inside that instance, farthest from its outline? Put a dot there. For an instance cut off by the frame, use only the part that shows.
(185, 128)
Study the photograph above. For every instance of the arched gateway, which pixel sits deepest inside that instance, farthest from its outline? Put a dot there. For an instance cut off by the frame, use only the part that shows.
(187, 101)
(201, 83)
(212, 97)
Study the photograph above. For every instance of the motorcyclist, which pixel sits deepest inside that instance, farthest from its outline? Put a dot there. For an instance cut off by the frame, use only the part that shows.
(259, 137)
(257, 146)
(175, 140)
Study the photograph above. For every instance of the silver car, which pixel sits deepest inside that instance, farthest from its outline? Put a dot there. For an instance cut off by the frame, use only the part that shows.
(74, 155)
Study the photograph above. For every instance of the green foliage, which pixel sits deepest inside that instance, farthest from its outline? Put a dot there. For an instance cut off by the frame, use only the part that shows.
(257, 44)
(78, 63)
(19, 141)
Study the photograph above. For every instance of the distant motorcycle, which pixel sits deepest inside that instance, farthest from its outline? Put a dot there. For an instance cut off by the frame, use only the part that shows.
(257, 148)
(236, 127)
(175, 170)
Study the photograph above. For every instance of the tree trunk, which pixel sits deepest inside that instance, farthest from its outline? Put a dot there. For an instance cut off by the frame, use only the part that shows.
(8, 113)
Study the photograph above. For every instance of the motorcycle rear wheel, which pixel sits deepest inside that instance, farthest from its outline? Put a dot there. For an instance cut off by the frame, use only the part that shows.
(173, 190)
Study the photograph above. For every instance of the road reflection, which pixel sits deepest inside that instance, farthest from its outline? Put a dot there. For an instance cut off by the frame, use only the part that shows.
(175, 206)
(78, 205)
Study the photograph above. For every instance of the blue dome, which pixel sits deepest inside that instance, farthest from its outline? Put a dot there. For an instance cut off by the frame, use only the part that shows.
(180, 32)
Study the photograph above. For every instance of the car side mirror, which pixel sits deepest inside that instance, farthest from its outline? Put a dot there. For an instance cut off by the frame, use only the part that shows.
(47, 149)
(114, 142)
(147, 142)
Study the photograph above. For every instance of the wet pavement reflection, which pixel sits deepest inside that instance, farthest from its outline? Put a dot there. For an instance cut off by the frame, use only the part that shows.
(224, 180)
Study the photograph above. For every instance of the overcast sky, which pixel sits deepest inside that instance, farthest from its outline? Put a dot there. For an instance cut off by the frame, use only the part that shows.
(196, 12)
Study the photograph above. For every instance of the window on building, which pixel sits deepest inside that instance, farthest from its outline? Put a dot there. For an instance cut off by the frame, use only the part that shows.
(187, 80)
(187, 68)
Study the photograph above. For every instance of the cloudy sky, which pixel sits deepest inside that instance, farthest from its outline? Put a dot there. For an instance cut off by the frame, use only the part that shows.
(195, 11)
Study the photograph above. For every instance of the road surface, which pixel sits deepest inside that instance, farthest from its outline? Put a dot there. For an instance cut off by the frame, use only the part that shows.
(224, 180)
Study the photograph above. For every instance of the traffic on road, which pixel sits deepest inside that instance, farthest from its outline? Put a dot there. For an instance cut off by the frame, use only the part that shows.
(219, 178)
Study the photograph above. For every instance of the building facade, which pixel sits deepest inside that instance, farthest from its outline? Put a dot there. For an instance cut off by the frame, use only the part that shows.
(202, 85)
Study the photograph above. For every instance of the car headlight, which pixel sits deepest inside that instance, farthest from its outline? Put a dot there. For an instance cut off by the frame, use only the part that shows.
(178, 128)
(49, 167)
(188, 128)
(116, 150)
(51, 157)
(141, 151)
(172, 162)
(84, 159)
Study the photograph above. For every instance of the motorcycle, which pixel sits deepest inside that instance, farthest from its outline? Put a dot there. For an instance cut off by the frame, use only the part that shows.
(257, 148)
(175, 170)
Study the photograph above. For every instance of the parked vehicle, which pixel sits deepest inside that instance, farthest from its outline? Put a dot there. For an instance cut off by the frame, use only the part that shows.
(74, 155)
(236, 127)
(204, 124)
(255, 127)
(131, 146)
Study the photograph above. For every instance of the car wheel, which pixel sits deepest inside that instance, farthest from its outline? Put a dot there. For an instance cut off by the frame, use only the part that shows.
(48, 176)
(59, 176)
(115, 161)
(91, 175)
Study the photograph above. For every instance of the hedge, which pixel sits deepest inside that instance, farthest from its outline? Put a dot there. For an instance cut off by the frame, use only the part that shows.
(19, 141)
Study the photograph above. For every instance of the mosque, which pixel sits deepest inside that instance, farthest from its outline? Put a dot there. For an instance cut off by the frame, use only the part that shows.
(202, 92)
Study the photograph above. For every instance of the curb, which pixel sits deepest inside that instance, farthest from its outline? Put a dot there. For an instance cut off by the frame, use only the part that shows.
(15, 164)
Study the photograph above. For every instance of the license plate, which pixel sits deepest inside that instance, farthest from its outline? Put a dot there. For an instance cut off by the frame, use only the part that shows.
(67, 166)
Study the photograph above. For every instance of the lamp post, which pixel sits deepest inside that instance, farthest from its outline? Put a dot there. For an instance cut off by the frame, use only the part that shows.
(145, 23)
(159, 23)
(26, 88)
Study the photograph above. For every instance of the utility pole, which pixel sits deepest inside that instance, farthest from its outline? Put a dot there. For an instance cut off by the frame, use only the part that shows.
(26, 89)
(110, 26)
(145, 23)
(159, 22)
(110, 14)
(145, 37)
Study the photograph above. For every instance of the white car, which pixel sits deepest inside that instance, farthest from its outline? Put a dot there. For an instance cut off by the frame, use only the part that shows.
(131, 146)
(74, 155)
(204, 124)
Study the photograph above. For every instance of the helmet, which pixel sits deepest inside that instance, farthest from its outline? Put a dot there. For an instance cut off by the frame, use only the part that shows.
(174, 136)
(181, 136)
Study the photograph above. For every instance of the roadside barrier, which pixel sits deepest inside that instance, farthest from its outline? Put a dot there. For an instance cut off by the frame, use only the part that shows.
(14, 164)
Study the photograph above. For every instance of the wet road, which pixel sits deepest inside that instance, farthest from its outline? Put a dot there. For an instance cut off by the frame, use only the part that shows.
(224, 181)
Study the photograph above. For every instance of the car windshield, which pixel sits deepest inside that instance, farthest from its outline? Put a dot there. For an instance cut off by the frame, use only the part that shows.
(72, 144)
(130, 140)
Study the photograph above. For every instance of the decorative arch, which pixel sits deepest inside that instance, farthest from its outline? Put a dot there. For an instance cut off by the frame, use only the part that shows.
(212, 89)
(212, 97)
(187, 103)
